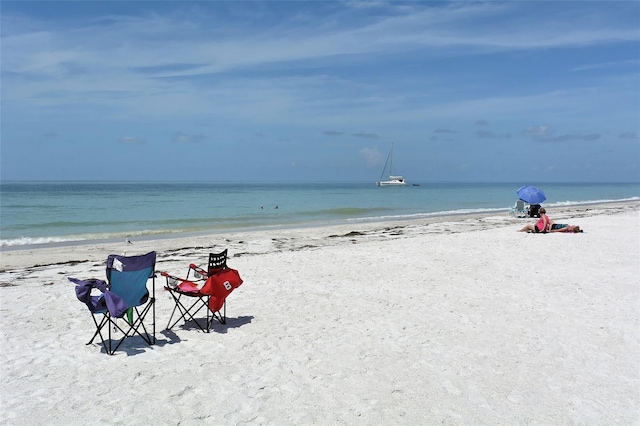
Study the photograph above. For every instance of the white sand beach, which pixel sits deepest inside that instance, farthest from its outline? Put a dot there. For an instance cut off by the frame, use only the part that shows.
(456, 320)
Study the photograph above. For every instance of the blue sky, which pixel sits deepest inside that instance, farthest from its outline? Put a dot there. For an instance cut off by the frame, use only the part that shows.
(317, 91)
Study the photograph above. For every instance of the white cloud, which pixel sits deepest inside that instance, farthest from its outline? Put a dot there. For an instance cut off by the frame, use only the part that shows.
(180, 137)
(371, 156)
(537, 131)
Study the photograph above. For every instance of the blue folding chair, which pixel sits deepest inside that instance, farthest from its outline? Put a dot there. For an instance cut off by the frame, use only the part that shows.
(124, 293)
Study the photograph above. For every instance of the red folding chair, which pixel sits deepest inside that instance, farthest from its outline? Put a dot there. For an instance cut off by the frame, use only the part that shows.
(207, 290)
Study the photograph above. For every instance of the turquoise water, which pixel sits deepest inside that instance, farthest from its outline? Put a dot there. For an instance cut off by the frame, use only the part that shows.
(54, 212)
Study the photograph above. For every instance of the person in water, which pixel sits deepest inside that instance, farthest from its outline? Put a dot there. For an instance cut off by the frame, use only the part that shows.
(543, 224)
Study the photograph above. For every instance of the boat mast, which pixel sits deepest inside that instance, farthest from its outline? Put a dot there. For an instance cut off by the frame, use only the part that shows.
(389, 158)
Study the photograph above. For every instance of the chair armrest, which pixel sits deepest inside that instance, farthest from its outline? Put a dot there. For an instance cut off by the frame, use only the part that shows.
(172, 281)
(198, 272)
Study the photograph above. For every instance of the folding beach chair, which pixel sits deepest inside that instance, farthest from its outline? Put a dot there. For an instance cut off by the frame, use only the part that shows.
(519, 209)
(207, 290)
(124, 295)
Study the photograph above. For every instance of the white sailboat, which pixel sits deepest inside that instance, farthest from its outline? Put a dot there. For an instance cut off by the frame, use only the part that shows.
(393, 180)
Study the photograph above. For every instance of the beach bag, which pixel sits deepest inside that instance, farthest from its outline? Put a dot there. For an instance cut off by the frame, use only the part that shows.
(534, 210)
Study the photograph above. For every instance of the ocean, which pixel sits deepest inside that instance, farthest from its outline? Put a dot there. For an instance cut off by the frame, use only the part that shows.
(37, 213)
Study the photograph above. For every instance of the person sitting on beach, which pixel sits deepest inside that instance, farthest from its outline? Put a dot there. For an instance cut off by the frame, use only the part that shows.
(563, 227)
(543, 224)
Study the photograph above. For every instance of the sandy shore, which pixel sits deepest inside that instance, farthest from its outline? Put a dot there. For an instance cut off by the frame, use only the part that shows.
(457, 320)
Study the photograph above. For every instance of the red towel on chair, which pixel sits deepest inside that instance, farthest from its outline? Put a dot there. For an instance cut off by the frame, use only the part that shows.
(219, 286)
(188, 287)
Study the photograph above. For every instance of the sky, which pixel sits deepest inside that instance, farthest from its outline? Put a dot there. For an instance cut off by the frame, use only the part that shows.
(277, 91)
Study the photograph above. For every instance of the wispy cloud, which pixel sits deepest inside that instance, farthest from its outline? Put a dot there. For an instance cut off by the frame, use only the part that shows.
(180, 137)
(419, 71)
(487, 134)
(166, 45)
(131, 140)
(543, 133)
(366, 135)
(569, 137)
(371, 156)
(537, 131)
(618, 64)
(154, 62)
(629, 135)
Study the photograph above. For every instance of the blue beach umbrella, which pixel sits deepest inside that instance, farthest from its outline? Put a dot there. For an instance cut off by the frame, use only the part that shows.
(531, 194)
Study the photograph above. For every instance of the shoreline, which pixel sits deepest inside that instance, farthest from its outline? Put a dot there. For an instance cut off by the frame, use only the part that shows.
(154, 235)
(95, 251)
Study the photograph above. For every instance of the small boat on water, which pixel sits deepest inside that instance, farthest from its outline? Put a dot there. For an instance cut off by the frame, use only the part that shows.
(392, 180)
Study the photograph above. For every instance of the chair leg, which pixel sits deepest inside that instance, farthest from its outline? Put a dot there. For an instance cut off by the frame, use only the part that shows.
(223, 317)
(188, 313)
(98, 329)
(136, 327)
(106, 321)
(185, 313)
(209, 316)
(176, 305)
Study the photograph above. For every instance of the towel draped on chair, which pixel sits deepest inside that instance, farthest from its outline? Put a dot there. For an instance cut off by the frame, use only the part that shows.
(219, 286)
(96, 304)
